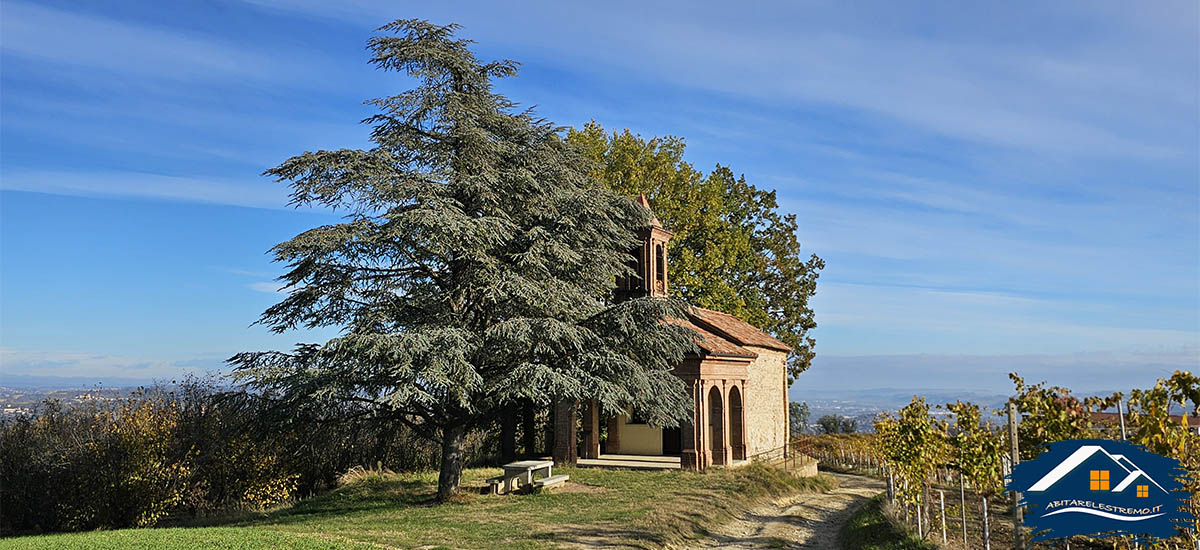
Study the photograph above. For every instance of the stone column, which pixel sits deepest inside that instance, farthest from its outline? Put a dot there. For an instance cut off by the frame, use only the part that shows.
(703, 447)
(690, 457)
(613, 445)
(565, 445)
(591, 430)
(787, 413)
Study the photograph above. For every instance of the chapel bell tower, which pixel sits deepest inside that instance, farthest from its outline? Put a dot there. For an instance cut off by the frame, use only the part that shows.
(649, 262)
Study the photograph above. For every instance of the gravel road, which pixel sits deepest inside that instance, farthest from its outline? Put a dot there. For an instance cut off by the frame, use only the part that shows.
(810, 521)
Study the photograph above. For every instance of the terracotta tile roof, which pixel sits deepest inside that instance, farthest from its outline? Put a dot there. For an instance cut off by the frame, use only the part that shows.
(735, 330)
(713, 344)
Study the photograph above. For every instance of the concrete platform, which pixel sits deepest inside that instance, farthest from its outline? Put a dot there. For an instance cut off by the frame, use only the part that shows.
(631, 462)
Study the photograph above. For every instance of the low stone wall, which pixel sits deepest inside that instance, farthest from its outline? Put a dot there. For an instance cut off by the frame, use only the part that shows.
(806, 468)
(799, 465)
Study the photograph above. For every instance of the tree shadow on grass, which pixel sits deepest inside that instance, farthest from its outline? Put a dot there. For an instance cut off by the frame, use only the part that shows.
(600, 536)
(375, 496)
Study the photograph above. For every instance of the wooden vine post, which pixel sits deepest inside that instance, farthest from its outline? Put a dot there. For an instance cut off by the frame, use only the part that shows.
(891, 487)
(920, 505)
(1018, 534)
(987, 539)
(962, 497)
(942, 507)
(1121, 416)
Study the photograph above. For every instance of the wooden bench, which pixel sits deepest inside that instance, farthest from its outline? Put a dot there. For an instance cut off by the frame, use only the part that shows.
(551, 481)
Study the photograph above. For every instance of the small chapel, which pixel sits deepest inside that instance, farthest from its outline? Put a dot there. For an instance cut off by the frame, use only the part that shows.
(738, 383)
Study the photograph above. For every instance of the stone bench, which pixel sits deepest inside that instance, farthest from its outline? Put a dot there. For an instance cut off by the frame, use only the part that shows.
(521, 473)
(551, 481)
(494, 484)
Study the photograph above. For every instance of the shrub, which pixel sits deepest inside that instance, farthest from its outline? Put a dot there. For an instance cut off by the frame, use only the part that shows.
(171, 453)
(93, 466)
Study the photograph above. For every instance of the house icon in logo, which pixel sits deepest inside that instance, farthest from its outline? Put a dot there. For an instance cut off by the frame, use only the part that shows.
(1101, 488)
(1101, 465)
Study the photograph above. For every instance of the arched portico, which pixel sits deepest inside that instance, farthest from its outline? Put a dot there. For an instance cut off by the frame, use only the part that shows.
(716, 426)
(737, 428)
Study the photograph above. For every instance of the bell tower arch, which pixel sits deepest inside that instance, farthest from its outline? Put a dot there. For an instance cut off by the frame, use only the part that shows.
(648, 261)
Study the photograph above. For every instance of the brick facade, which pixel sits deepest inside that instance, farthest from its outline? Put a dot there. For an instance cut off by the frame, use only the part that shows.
(737, 378)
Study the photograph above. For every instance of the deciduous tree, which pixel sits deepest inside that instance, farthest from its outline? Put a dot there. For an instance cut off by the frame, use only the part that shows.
(733, 250)
(832, 424)
(798, 414)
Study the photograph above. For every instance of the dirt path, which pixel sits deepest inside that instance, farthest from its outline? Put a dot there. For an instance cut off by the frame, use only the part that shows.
(810, 521)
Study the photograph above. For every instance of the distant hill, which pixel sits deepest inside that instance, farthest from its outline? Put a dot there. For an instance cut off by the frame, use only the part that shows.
(32, 381)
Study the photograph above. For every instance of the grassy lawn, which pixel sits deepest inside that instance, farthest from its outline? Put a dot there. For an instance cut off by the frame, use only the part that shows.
(870, 529)
(618, 508)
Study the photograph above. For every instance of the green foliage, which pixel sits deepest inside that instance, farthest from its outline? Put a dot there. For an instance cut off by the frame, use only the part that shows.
(145, 484)
(473, 270)
(913, 445)
(107, 467)
(833, 424)
(1052, 414)
(1149, 424)
(798, 415)
(732, 250)
(193, 450)
(829, 424)
(977, 448)
(909, 443)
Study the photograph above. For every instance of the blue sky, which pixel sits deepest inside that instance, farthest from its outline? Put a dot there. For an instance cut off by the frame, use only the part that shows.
(994, 187)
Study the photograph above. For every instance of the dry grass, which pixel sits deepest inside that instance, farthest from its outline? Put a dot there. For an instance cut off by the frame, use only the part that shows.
(379, 509)
(358, 474)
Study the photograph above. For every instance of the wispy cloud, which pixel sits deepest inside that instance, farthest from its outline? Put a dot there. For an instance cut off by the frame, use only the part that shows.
(251, 193)
(244, 272)
(82, 40)
(981, 178)
(269, 287)
(875, 318)
(967, 81)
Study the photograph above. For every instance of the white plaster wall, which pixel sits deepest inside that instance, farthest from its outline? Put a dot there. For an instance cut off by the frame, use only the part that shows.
(639, 439)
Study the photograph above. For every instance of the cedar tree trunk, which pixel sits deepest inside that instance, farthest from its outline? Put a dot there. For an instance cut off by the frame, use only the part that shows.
(453, 437)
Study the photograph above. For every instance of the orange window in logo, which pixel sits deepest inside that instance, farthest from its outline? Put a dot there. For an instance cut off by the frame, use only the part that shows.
(1143, 491)
(1099, 480)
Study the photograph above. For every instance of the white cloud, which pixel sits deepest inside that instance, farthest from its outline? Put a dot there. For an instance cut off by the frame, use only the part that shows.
(859, 319)
(257, 193)
(269, 287)
(1047, 89)
(58, 36)
(244, 272)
